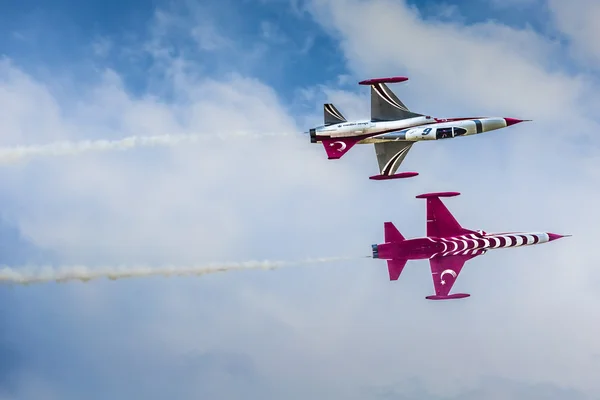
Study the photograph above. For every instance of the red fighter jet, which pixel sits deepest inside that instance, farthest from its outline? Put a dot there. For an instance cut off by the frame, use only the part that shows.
(447, 246)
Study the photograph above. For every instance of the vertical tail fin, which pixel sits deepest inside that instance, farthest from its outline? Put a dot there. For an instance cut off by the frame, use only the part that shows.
(331, 115)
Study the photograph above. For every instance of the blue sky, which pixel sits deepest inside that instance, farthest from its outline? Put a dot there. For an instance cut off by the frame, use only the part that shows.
(78, 70)
(284, 35)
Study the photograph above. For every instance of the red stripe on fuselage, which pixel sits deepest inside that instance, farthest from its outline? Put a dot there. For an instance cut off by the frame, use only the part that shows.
(319, 137)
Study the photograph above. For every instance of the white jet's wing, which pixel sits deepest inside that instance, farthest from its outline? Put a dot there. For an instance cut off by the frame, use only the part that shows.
(390, 155)
(386, 106)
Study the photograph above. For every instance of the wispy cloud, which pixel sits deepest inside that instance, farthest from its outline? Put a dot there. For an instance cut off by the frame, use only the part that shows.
(346, 327)
(577, 20)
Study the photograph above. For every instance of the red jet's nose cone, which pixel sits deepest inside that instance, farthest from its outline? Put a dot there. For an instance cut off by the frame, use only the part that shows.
(512, 121)
(554, 236)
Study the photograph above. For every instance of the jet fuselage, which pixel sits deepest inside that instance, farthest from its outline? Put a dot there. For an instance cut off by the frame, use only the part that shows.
(447, 246)
(410, 130)
(476, 243)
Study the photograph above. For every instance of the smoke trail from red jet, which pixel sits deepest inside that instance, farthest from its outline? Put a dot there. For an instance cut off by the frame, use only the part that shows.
(31, 275)
(15, 154)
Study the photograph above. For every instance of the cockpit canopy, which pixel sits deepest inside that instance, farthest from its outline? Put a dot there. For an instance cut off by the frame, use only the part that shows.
(449, 132)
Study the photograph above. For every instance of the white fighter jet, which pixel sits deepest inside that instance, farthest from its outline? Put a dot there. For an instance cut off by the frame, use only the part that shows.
(393, 129)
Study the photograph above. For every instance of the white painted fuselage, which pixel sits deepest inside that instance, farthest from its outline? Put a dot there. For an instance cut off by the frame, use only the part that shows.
(411, 129)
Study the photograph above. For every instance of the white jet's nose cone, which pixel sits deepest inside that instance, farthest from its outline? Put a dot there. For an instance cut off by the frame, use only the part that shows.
(512, 121)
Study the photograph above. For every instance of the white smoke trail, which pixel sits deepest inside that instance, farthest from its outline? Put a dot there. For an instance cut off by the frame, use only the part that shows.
(28, 275)
(17, 153)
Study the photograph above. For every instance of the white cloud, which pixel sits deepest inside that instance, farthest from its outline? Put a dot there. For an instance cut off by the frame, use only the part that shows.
(578, 20)
(198, 190)
(336, 330)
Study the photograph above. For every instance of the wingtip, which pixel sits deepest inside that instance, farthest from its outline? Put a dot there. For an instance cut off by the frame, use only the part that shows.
(400, 175)
(393, 79)
(449, 296)
(437, 194)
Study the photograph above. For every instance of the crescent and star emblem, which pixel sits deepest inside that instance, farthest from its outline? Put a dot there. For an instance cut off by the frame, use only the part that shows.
(447, 271)
(342, 145)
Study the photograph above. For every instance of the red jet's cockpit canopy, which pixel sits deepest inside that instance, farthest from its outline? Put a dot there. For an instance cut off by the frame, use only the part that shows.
(482, 233)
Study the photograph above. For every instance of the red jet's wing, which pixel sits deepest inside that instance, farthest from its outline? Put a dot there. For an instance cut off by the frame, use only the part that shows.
(444, 272)
(440, 221)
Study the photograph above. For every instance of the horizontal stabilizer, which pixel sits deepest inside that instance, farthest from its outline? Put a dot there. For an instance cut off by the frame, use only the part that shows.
(395, 268)
(336, 148)
(448, 297)
(391, 234)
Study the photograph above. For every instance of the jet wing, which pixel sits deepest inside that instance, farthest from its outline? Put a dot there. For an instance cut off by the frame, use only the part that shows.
(385, 105)
(440, 221)
(444, 272)
(390, 155)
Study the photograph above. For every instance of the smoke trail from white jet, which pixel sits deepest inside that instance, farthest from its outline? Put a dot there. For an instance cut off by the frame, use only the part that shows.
(29, 275)
(17, 153)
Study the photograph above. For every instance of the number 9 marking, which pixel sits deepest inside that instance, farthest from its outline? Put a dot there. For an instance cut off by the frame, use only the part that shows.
(426, 131)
